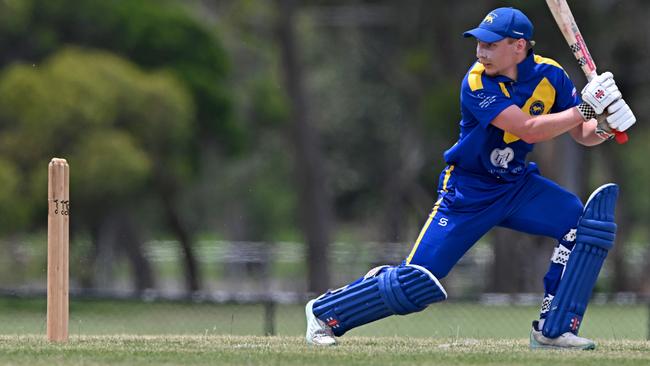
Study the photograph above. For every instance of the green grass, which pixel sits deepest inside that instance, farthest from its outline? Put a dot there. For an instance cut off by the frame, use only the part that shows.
(165, 333)
(254, 350)
(444, 320)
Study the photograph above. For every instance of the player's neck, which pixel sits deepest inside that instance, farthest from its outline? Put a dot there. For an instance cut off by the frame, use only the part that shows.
(513, 71)
(510, 73)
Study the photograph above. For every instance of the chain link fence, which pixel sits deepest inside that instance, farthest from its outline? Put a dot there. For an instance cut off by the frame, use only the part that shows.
(255, 288)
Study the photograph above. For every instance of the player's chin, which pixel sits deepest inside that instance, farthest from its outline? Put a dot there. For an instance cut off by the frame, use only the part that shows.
(491, 71)
(489, 68)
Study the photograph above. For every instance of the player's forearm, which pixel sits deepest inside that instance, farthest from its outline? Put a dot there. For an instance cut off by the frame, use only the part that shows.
(547, 126)
(585, 134)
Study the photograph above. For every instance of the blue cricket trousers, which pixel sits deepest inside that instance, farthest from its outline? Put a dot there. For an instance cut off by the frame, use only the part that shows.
(468, 206)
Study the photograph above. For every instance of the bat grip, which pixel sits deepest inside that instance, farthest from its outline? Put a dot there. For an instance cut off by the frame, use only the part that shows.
(620, 137)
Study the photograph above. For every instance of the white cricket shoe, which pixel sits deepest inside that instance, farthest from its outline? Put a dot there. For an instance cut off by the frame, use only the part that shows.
(567, 340)
(318, 333)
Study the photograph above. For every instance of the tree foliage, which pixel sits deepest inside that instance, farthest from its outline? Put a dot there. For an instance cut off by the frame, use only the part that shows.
(153, 34)
(111, 120)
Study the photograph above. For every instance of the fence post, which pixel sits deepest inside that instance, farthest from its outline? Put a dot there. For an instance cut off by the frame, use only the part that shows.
(269, 317)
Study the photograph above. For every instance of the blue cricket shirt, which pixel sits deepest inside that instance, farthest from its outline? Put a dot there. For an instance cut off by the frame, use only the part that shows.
(487, 151)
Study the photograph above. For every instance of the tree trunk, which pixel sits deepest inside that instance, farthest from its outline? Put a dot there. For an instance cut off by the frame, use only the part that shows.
(184, 237)
(105, 254)
(314, 204)
(116, 234)
(131, 243)
(506, 275)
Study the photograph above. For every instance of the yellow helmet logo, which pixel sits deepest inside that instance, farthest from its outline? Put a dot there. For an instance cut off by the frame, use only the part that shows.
(489, 18)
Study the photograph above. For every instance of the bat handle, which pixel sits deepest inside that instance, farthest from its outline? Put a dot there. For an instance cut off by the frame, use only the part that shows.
(620, 137)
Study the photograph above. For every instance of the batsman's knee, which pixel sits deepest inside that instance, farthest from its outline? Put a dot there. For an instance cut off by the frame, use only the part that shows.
(567, 218)
(410, 288)
(438, 269)
(383, 291)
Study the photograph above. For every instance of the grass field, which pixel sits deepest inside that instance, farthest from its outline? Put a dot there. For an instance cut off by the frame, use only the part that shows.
(444, 320)
(176, 333)
(254, 350)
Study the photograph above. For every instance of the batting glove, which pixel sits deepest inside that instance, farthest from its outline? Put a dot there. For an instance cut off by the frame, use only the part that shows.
(601, 92)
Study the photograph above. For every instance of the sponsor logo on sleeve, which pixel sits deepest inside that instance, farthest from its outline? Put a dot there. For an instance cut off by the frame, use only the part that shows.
(536, 108)
(486, 100)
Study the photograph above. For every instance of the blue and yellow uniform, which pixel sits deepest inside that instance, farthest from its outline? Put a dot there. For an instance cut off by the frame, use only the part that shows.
(488, 181)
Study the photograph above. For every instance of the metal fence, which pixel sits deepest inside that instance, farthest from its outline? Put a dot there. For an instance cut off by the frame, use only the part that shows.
(259, 288)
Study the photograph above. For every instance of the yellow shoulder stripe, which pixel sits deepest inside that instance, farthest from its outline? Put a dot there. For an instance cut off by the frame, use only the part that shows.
(544, 60)
(474, 78)
(504, 90)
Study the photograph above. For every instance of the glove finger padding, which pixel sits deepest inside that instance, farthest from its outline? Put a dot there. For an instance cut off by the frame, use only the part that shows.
(626, 123)
(608, 83)
(616, 106)
(622, 117)
(604, 76)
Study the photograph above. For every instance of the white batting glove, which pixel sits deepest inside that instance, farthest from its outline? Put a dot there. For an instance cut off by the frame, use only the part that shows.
(620, 116)
(601, 92)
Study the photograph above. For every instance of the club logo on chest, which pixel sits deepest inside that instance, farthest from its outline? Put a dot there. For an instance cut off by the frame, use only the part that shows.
(501, 158)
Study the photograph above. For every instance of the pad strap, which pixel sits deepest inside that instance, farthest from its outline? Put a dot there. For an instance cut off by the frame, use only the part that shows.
(561, 255)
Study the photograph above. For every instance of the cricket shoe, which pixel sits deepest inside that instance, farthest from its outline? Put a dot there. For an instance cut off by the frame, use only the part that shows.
(318, 333)
(567, 340)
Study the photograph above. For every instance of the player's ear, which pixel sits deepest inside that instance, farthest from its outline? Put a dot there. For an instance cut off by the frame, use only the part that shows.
(521, 45)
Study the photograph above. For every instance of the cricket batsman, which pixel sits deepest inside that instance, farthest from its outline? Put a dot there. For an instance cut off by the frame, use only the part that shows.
(510, 99)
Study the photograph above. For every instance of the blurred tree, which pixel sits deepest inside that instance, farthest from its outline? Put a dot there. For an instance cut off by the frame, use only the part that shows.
(384, 107)
(154, 34)
(121, 130)
(13, 214)
(314, 202)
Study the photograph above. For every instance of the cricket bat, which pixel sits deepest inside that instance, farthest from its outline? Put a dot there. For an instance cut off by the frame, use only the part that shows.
(564, 19)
